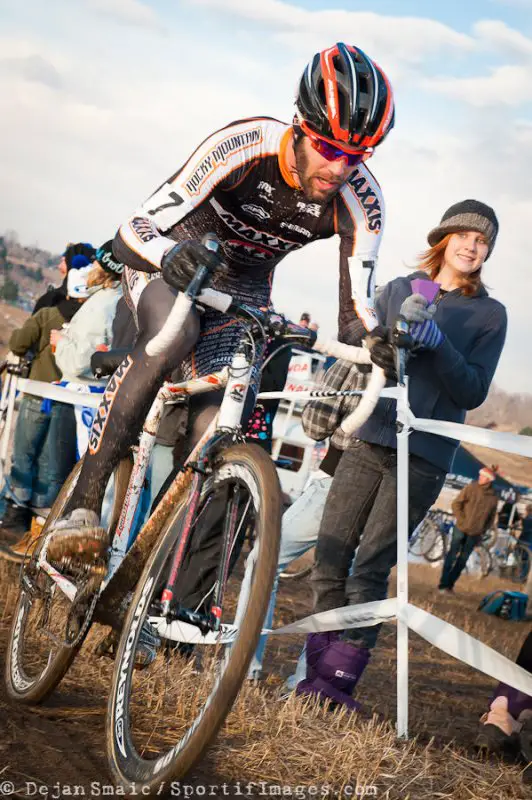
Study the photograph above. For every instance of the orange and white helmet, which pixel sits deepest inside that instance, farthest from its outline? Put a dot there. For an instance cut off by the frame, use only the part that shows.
(345, 96)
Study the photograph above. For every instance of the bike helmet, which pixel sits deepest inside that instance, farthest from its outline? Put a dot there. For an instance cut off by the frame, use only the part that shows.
(345, 96)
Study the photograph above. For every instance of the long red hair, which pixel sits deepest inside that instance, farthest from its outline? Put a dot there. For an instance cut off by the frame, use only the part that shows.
(431, 261)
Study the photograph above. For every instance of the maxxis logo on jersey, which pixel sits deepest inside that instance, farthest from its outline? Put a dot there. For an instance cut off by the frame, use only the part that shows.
(143, 229)
(220, 154)
(368, 200)
(245, 231)
(108, 397)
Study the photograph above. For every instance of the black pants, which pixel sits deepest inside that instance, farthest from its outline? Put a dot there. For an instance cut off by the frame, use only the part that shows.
(361, 511)
(462, 545)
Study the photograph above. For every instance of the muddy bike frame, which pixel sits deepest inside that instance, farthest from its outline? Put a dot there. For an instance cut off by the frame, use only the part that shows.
(236, 380)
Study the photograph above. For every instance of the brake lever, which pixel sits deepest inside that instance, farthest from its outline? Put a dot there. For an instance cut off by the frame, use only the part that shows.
(210, 241)
(403, 343)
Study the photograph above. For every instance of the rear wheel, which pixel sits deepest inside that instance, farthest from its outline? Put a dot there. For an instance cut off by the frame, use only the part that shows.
(427, 541)
(160, 721)
(48, 629)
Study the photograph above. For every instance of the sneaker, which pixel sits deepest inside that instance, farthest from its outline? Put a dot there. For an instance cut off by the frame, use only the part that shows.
(445, 590)
(147, 646)
(24, 548)
(498, 729)
(80, 535)
(14, 523)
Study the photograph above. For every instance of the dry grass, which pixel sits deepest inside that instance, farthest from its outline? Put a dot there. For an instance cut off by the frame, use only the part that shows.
(295, 743)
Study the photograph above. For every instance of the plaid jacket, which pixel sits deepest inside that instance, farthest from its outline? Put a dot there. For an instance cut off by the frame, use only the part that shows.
(321, 418)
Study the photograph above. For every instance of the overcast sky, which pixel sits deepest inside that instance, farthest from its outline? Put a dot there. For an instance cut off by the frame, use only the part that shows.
(101, 100)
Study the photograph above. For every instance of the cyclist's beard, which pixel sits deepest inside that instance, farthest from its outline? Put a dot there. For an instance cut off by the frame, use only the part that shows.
(307, 179)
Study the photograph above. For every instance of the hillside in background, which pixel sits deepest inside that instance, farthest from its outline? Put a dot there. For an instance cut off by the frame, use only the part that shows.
(503, 411)
(25, 272)
(11, 317)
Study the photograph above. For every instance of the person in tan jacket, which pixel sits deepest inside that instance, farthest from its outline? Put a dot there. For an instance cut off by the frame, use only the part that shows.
(475, 509)
(44, 448)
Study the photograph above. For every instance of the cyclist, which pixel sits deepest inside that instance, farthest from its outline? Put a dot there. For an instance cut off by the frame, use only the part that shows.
(264, 188)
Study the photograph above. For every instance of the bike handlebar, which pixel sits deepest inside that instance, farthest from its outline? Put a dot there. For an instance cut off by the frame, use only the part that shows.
(223, 302)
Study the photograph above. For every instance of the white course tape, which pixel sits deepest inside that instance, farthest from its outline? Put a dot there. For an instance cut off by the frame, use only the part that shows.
(465, 648)
(58, 393)
(359, 616)
(509, 442)
(317, 394)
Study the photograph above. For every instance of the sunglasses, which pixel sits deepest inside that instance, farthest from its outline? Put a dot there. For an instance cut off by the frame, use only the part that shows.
(331, 151)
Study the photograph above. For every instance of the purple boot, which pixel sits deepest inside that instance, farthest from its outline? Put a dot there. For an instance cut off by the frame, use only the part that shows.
(334, 667)
(501, 725)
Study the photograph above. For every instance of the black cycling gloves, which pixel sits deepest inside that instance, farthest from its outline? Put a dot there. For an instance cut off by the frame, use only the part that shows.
(179, 264)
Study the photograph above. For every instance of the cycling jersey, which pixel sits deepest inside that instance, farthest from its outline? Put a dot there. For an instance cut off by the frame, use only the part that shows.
(237, 185)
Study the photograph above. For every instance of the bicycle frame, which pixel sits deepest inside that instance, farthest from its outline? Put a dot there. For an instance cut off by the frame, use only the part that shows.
(237, 380)
(229, 417)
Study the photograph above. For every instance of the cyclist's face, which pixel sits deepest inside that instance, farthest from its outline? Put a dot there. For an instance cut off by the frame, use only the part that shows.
(320, 179)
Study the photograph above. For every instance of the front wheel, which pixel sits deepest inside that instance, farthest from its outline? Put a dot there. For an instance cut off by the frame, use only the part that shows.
(161, 721)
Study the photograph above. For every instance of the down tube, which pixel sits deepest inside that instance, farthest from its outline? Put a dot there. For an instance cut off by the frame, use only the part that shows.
(402, 559)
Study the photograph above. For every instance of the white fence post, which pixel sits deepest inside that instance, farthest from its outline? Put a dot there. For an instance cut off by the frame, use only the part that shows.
(9, 390)
(402, 559)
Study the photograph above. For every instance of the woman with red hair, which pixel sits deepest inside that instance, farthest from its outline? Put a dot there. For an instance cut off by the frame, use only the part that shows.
(456, 347)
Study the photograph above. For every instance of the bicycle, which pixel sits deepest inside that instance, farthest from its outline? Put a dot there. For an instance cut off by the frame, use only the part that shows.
(429, 538)
(512, 559)
(431, 541)
(226, 485)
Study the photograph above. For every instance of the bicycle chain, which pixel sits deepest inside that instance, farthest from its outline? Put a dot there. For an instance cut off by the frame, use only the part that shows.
(90, 586)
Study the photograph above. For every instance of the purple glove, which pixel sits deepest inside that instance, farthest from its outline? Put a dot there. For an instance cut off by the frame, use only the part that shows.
(426, 335)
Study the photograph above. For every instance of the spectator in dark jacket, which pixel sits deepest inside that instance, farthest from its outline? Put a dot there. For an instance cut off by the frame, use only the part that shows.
(475, 509)
(75, 256)
(457, 345)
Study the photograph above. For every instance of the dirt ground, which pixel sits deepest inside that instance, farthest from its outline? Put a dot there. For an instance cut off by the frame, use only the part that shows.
(51, 750)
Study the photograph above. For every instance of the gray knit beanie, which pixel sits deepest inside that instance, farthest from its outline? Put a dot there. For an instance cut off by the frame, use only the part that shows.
(468, 215)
